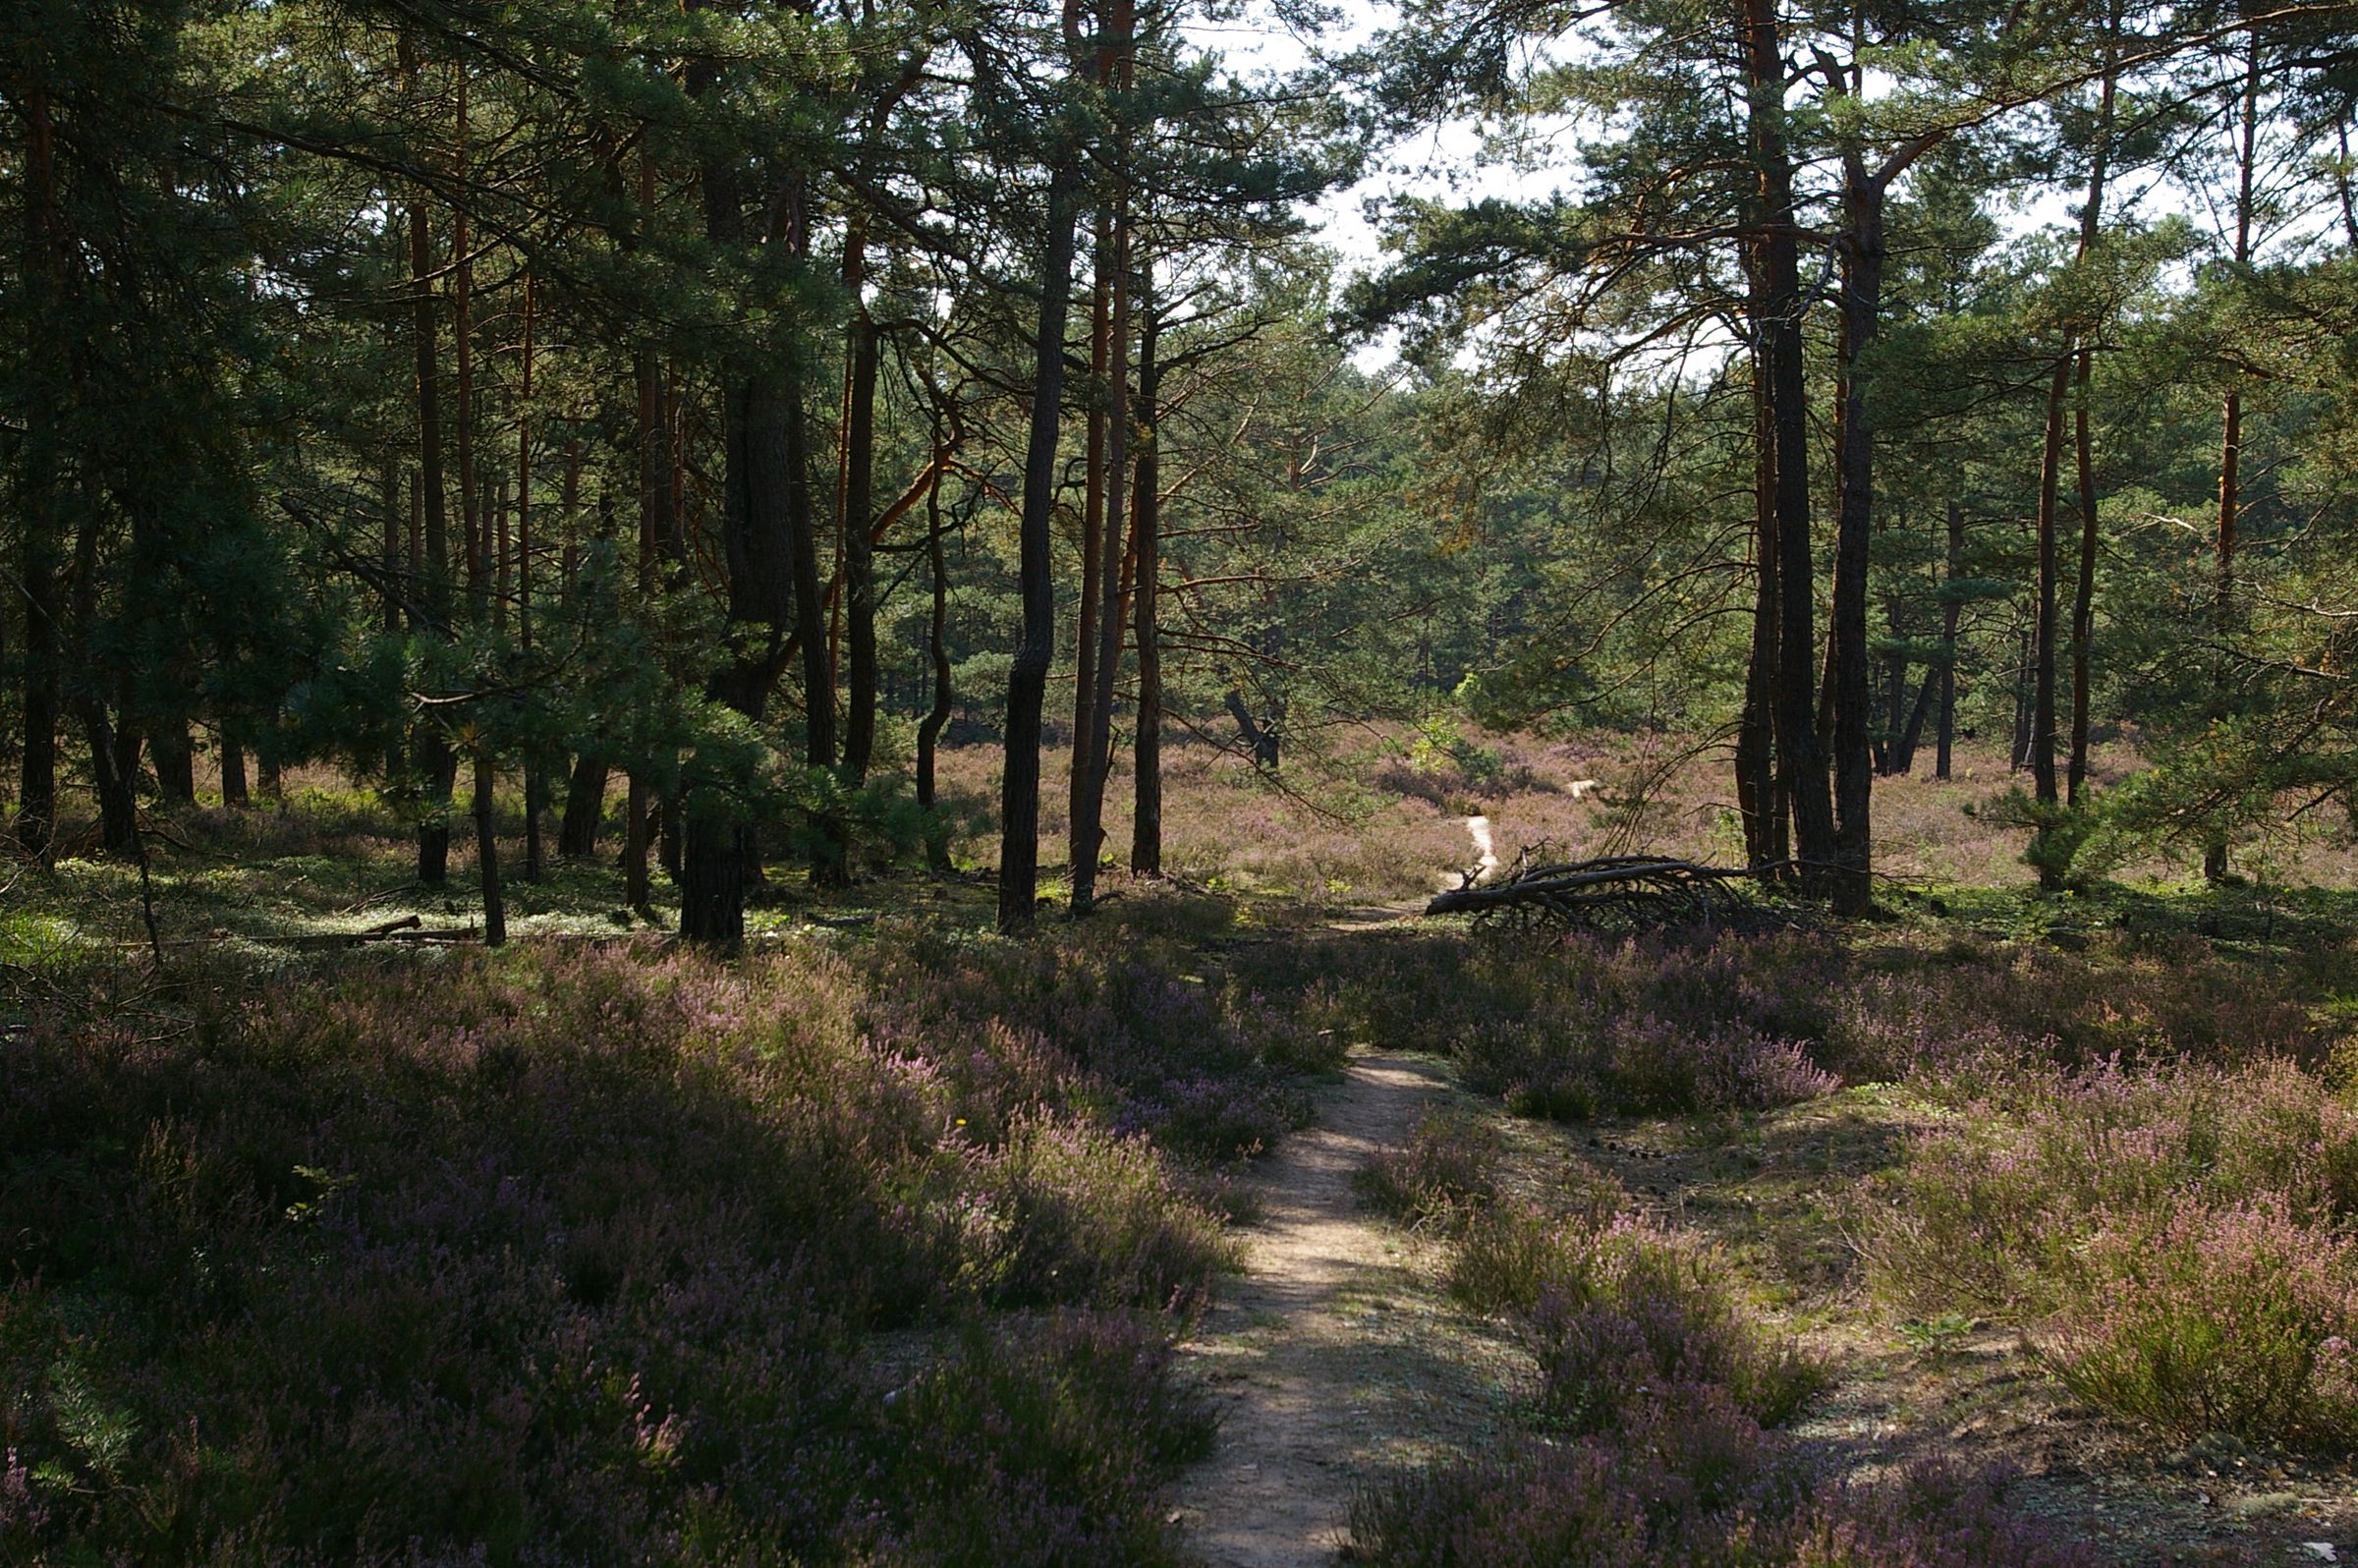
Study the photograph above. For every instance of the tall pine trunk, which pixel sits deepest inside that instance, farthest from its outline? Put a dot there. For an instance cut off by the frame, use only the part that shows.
(2230, 444)
(937, 649)
(2043, 626)
(1028, 676)
(1089, 832)
(1093, 524)
(858, 507)
(1765, 839)
(1146, 574)
(1801, 760)
(2083, 598)
(48, 273)
(1853, 728)
(438, 767)
(1951, 609)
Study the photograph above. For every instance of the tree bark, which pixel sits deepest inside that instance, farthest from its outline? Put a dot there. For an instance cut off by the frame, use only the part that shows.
(938, 638)
(40, 551)
(1028, 678)
(771, 548)
(395, 570)
(585, 807)
(1146, 574)
(438, 767)
(1092, 523)
(857, 505)
(1949, 612)
(2042, 655)
(1801, 762)
(1910, 732)
(486, 852)
(2083, 599)
(1089, 832)
(175, 759)
(534, 765)
(2231, 446)
(231, 746)
(1854, 766)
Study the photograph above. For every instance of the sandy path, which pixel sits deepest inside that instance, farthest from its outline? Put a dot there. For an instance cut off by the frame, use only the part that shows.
(1331, 1358)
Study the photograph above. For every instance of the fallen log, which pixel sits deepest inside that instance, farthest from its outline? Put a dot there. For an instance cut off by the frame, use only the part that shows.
(1633, 889)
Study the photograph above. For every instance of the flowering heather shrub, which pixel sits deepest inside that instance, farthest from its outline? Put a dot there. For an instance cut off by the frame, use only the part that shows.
(2237, 1319)
(1657, 1394)
(1651, 1317)
(1993, 1205)
(1934, 1516)
(1581, 1027)
(2182, 1235)
(1573, 1068)
(1615, 1305)
(1092, 1216)
(1206, 1070)
(1447, 1169)
(563, 1256)
(1043, 1443)
(1695, 1484)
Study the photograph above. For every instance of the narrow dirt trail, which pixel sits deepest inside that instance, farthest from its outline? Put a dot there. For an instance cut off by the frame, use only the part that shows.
(1331, 1357)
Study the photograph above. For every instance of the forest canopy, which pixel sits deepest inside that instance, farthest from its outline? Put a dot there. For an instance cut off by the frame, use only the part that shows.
(728, 402)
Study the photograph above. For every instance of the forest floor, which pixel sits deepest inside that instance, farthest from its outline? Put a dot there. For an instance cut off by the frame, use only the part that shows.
(1336, 1355)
